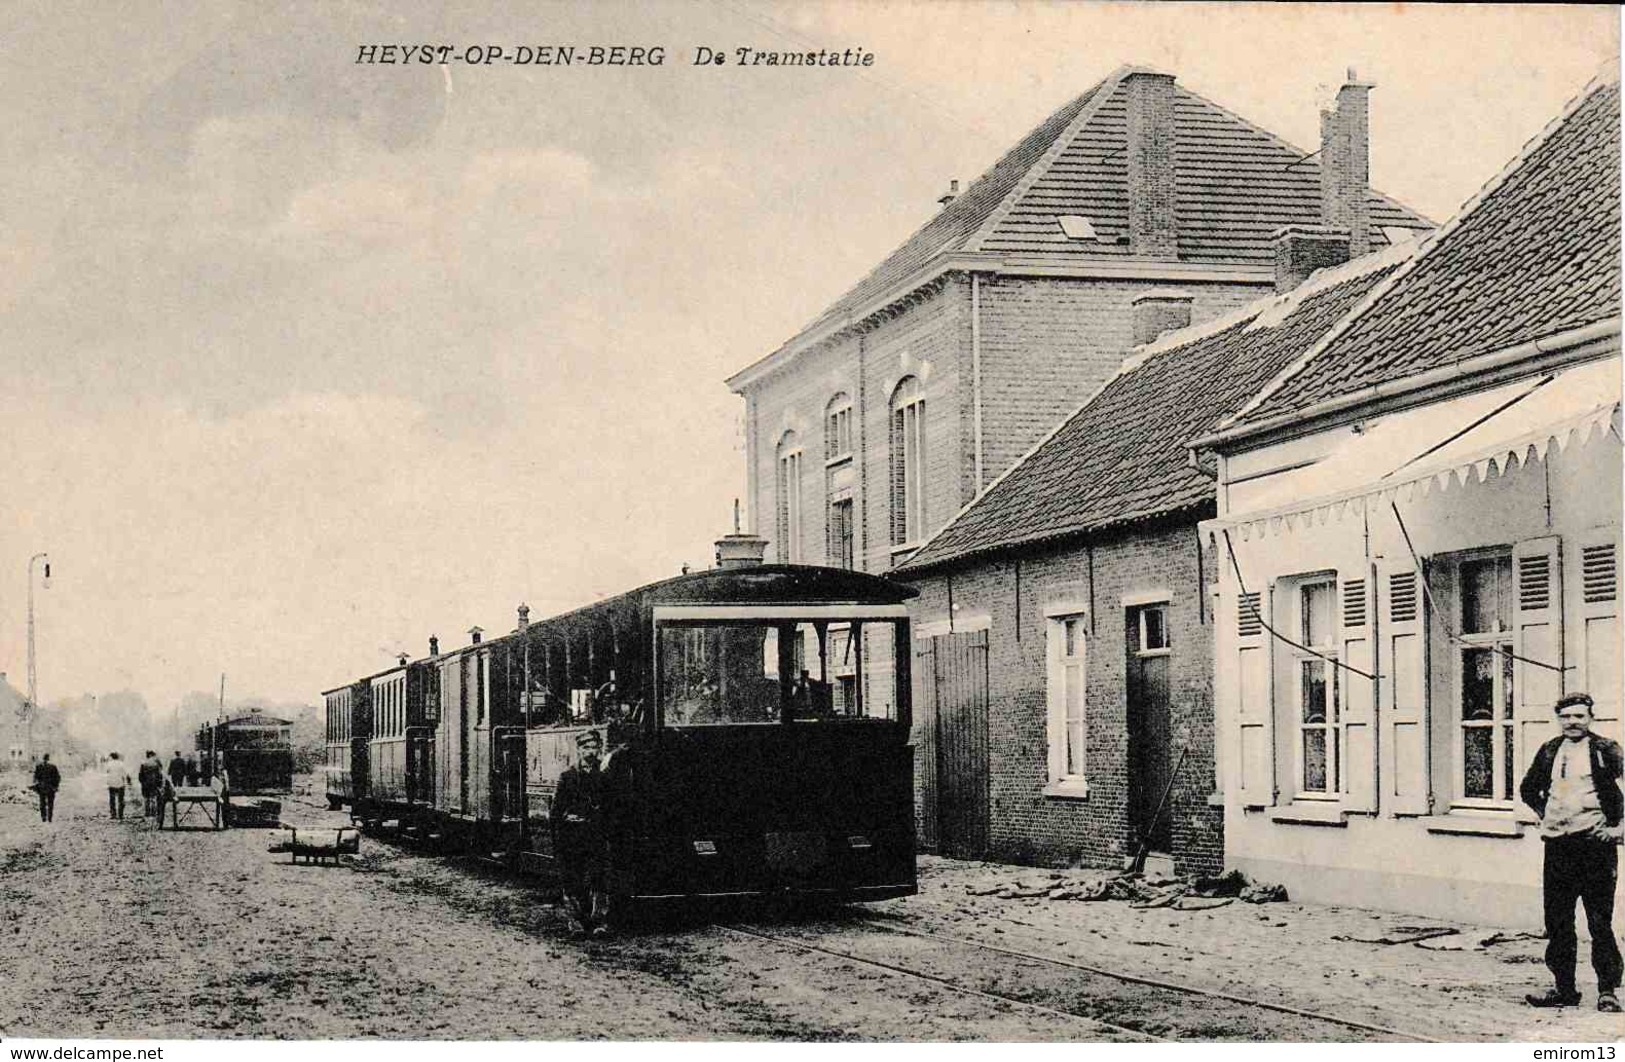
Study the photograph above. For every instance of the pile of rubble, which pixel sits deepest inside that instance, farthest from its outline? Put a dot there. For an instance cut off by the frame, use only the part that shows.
(1139, 890)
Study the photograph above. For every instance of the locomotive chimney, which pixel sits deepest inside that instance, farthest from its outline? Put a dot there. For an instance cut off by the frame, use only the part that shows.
(738, 550)
(524, 616)
(434, 646)
(474, 635)
(402, 658)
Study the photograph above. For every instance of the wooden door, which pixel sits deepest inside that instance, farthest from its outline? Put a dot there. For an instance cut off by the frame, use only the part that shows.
(1149, 745)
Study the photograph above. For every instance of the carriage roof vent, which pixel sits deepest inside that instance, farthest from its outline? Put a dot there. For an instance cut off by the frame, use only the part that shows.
(474, 635)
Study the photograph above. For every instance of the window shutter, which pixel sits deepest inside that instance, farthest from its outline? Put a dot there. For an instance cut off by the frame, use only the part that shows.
(1359, 693)
(1537, 625)
(1597, 640)
(1401, 626)
(923, 738)
(1254, 701)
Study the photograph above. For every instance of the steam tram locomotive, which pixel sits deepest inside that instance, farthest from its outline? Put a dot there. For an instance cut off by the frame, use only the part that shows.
(756, 721)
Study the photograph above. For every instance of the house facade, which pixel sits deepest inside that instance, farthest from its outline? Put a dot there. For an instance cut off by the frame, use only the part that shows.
(879, 421)
(1075, 589)
(1418, 537)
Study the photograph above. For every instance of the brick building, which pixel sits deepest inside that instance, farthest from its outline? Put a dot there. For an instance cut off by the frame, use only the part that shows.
(873, 426)
(1421, 530)
(1075, 587)
(1136, 208)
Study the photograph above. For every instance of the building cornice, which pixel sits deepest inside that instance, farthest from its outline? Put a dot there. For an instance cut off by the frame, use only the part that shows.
(933, 276)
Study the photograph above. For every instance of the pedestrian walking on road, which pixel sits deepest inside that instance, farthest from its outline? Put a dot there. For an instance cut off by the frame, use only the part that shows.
(151, 776)
(191, 770)
(177, 769)
(118, 776)
(47, 780)
(1573, 785)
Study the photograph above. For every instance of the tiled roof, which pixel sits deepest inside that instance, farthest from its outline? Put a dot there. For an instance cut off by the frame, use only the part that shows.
(1122, 458)
(1235, 185)
(1537, 254)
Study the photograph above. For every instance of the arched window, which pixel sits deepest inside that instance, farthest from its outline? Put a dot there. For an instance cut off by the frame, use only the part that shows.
(788, 484)
(838, 428)
(907, 462)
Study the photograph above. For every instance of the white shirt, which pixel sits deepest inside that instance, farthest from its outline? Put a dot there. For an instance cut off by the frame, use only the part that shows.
(1572, 805)
(118, 774)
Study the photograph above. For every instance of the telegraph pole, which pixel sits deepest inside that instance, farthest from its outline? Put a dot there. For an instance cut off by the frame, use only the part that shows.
(33, 682)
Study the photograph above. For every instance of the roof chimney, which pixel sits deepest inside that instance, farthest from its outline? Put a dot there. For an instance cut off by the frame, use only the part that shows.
(1345, 164)
(950, 195)
(474, 635)
(1159, 310)
(1153, 231)
(1302, 249)
(434, 646)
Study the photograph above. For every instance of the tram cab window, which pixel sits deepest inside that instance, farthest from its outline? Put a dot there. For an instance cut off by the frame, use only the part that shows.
(776, 671)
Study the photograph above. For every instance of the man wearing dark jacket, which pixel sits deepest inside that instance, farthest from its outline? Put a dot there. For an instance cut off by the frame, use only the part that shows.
(1574, 786)
(47, 780)
(578, 835)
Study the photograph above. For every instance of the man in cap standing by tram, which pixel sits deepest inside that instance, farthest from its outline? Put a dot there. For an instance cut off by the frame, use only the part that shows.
(577, 821)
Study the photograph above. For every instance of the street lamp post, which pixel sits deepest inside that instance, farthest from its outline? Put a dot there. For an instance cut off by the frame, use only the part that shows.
(33, 682)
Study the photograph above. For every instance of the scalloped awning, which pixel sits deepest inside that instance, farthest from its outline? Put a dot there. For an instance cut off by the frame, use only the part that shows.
(1434, 447)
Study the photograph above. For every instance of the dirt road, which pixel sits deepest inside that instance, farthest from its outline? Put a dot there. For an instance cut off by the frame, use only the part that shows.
(118, 930)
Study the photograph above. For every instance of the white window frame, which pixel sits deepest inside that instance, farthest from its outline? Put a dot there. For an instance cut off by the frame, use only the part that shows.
(837, 557)
(1327, 655)
(908, 460)
(1065, 669)
(787, 507)
(838, 430)
(1500, 642)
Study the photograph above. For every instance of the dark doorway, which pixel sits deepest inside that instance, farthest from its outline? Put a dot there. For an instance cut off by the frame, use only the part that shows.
(1149, 751)
(951, 705)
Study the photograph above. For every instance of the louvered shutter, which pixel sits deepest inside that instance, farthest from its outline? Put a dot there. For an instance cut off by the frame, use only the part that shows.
(1255, 704)
(1596, 655)
(1358, 723)
(1537, 625)
(1402, 626)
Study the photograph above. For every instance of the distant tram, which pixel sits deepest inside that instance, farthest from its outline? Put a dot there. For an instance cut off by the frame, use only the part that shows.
(256, 751)
(756, 720)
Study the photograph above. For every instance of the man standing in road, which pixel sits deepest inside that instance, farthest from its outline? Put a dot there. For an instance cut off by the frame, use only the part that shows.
(1573, 785)
(118, 776)
(151, 776)
(47, 780)
(576, 819)
(177, 770)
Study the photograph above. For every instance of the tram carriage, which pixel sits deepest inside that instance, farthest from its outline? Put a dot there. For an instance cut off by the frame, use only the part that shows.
(756, 721)
(256, 751)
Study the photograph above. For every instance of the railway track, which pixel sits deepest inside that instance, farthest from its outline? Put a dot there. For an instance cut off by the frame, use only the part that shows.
(1116, 1002)
(1095, 1024)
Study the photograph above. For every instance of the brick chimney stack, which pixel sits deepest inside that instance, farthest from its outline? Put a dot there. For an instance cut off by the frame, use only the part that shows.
(1153, 230)
(1159, 310)
(1345, 164)
(950, 195)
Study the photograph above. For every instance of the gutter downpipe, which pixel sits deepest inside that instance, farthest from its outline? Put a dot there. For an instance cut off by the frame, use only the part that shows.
(976, 370)
(1597, 332)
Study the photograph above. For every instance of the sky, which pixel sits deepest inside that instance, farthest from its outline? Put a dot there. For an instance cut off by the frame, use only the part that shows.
(308, 359)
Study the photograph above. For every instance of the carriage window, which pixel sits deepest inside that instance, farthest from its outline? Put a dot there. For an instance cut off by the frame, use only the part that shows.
(724, 674)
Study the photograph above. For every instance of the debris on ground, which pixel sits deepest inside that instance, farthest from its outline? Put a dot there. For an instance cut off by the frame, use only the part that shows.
(1507, 938)
(1402, 935)
(1140, 891)
(1258, 892)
